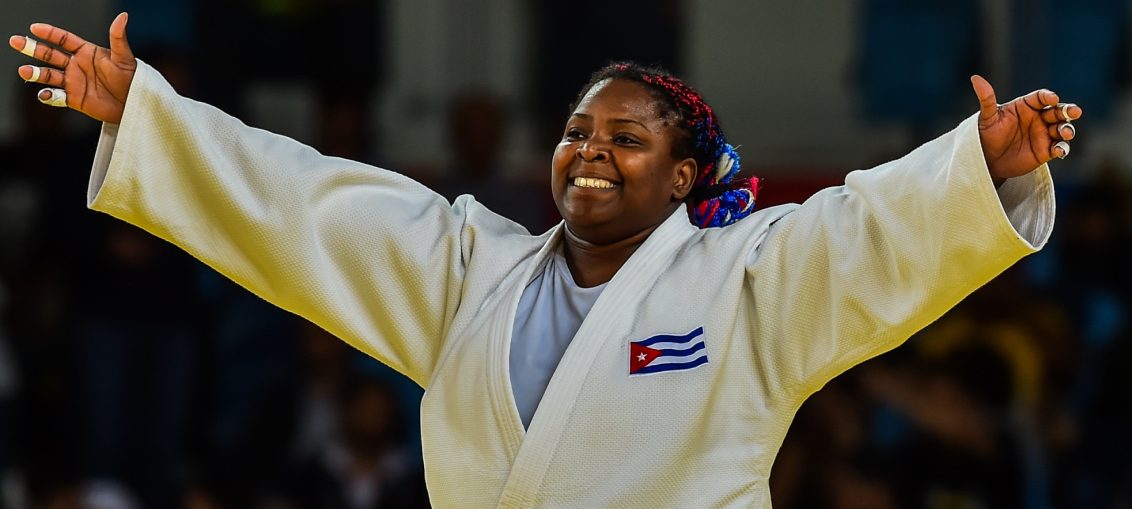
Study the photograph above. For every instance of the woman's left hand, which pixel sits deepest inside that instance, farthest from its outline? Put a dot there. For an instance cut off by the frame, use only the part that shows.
(1021, 135)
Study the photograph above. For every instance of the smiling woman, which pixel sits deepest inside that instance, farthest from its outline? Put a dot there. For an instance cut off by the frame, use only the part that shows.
(638, 144)
(650, 350)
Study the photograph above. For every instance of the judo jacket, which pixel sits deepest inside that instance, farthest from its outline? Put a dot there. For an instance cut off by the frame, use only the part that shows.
(781, 301)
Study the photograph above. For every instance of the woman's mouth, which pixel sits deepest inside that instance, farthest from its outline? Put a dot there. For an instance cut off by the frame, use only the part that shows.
(593, 183)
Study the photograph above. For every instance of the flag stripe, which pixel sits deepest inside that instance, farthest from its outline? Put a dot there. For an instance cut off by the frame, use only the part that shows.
(688, 351)
(657, 368)
(671, 359)
(668, 338)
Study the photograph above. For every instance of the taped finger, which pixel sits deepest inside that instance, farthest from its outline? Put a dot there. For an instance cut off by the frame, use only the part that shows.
(29, 47)
(48, 76)
(57, 97)
(1060, 149)
(1064, 131)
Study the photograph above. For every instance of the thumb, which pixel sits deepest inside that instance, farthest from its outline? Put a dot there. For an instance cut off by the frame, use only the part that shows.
(988, 104)
(120, 49)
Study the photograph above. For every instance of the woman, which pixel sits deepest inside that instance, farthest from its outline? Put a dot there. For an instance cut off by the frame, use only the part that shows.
(690, 345)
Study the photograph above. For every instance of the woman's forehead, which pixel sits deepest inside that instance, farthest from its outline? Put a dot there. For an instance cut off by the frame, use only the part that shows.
(613, 97)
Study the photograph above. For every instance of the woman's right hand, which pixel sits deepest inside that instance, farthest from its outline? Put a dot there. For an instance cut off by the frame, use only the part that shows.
(96, 80)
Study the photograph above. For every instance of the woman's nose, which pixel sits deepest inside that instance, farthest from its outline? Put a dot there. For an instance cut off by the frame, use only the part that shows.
(591, 152)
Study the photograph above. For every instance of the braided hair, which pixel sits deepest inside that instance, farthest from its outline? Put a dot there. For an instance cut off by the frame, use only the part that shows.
(717, 197)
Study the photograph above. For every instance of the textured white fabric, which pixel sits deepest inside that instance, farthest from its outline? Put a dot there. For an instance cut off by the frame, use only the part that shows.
(788, 298)
(550, 311)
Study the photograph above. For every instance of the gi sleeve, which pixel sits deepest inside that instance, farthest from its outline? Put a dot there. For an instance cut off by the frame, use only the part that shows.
(369, 255)
(857, 269)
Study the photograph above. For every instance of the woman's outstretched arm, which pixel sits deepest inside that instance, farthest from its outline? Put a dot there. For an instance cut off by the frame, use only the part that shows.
(368, 254)
(859, 268)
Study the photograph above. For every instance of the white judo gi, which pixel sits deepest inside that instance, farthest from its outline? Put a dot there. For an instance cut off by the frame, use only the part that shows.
(787, 298)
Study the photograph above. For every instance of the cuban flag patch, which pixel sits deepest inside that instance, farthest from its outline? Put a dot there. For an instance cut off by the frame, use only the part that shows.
(667, 352)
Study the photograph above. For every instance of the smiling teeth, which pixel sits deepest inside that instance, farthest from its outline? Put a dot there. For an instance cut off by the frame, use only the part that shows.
(592, 182)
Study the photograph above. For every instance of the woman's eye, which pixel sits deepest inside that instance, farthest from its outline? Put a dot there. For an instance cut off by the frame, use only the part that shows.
(574, 134)
(624, 140)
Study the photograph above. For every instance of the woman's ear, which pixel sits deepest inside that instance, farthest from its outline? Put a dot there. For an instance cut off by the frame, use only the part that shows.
(685, 177)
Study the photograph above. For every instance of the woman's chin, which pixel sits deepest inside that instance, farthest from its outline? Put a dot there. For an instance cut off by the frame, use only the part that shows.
(586, 212)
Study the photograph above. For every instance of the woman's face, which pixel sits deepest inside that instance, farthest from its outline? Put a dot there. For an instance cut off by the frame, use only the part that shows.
(613, 174)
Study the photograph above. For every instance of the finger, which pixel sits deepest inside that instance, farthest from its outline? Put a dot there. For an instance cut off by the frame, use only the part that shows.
(1067, 111)
(988, 104)
(57, 36)
(53, 97)
(1039, 99)
(44, 75)
(29, 47)
(1054, 114)
(1059, 150)
(1064, 131)
(25, 45)
(119, 48)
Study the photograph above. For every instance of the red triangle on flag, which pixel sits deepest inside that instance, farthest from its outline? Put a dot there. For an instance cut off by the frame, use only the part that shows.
(640, 356)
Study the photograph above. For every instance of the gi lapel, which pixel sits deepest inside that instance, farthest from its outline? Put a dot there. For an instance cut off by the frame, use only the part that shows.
(603, 322)
(499, 390)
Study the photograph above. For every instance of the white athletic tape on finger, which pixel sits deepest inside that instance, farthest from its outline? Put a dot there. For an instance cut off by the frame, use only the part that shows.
(35, 70)
(29, 47)
(1065, 111)
(58, 97)
(1071, 127)
(1064, 149)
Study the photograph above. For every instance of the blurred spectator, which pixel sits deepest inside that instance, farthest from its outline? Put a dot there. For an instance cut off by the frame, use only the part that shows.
(250, 395)
(477, 132)
(959, 439)
(8, 378)
(647, 31)
(365, 464)
(327, 368)
(345, 125)
(270, 30)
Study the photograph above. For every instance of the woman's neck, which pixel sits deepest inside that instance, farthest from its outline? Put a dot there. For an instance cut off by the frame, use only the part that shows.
(594, 264)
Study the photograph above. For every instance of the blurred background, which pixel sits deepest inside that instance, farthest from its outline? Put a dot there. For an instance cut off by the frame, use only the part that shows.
(132, 376)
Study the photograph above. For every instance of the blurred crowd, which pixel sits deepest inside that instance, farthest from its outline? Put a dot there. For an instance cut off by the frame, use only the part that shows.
(132, 376)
